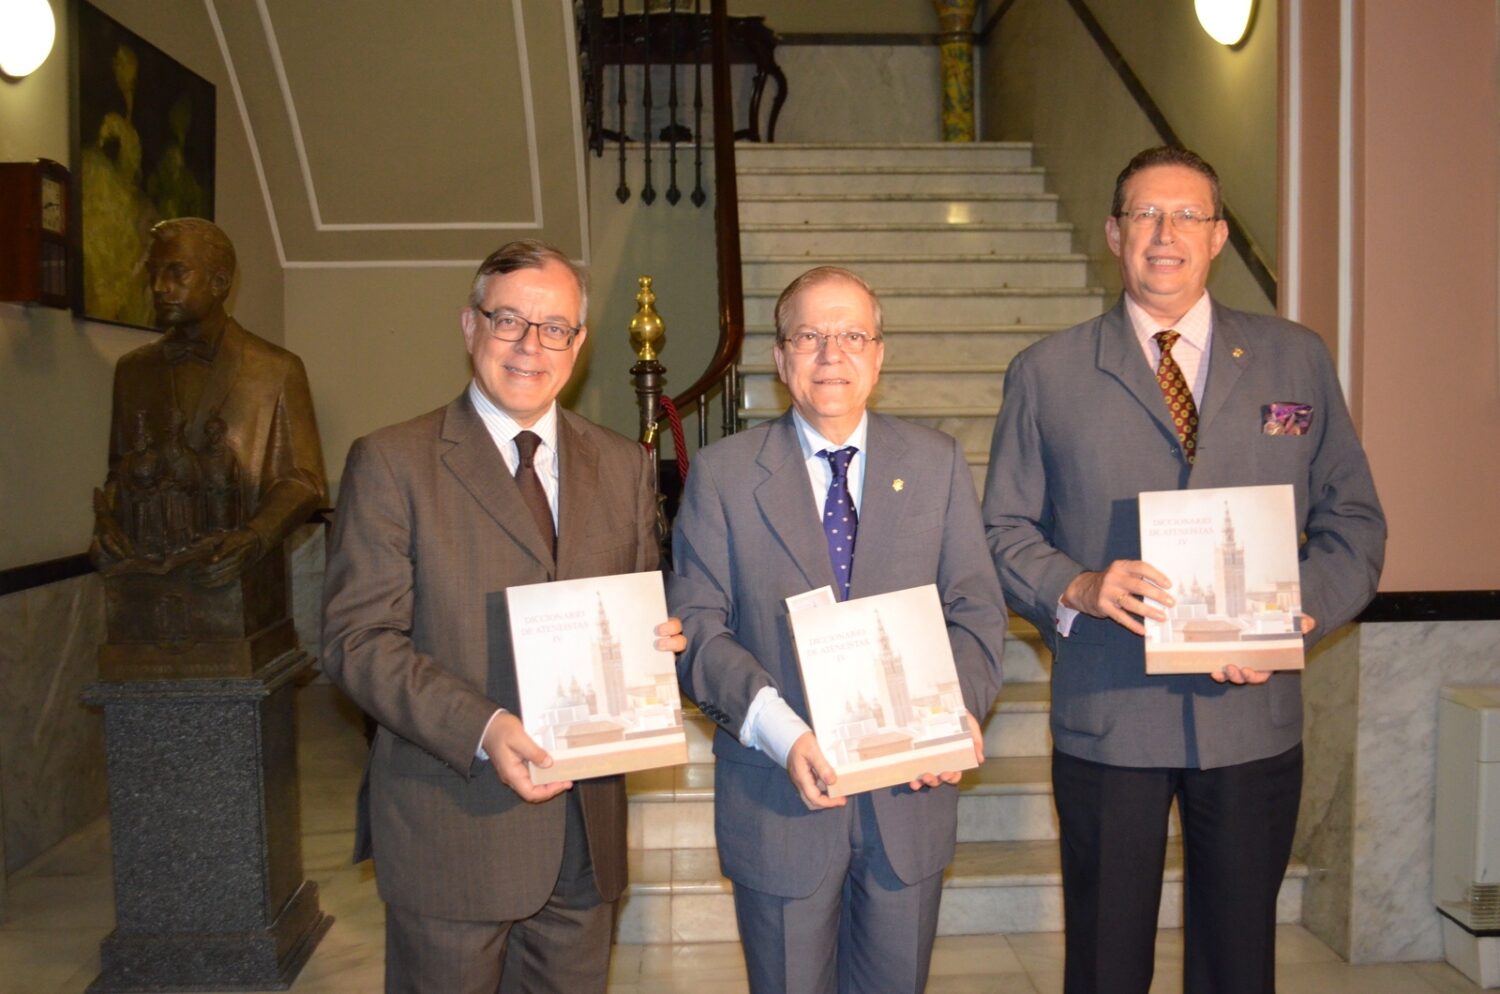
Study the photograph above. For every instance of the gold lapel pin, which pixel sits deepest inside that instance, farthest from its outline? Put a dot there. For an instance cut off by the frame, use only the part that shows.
(1237, 353)
(897, 484)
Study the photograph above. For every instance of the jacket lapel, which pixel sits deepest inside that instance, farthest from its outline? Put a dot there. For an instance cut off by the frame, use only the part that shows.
(1229, 355)
(478, 466)
(882, 508)
(578, 476)
(786, 503)
(1120, 356)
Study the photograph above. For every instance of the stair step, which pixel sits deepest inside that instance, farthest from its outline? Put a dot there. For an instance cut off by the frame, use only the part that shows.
(896, 208)
(899, 385)
(1009, 798)
(993, 345)
(954, 180)
(996, 155)
(834, 242)
(937, 307)
(972, 426)
(952, 271)
(679, 895)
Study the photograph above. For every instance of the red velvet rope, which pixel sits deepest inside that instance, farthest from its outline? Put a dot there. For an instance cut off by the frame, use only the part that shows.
(679, 440)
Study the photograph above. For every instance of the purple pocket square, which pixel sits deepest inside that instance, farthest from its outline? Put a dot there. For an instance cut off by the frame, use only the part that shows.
(1286, 418)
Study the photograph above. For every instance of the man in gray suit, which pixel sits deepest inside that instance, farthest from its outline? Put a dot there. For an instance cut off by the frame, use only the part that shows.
(1170, 390)
(491, 882)
(829, 896)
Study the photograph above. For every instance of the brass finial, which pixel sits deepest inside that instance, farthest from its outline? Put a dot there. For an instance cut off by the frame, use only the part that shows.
(647, 328)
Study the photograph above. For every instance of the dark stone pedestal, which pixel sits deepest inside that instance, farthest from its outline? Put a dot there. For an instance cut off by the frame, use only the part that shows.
(205, 829)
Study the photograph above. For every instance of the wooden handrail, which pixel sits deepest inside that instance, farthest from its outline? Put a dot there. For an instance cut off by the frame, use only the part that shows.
(726, 222)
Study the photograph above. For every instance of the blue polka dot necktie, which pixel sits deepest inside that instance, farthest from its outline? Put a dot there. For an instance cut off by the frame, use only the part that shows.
(840, 522)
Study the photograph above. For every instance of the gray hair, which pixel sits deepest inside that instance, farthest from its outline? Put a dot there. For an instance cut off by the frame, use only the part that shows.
(528, 253)
(816, 277)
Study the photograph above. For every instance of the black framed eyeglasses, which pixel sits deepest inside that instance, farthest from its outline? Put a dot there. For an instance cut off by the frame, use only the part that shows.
(510, 327)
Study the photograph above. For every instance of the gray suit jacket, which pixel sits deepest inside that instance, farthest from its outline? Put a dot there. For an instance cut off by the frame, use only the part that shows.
(747, 537)
(1083, 430)
(429, 522)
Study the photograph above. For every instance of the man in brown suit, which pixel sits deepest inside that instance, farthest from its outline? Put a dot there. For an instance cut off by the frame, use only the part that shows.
(490, 881)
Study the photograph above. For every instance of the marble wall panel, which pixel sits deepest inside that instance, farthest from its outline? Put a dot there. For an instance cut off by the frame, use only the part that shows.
(1330, 694)
(1366, 828)
(307, 553)
(1402, 669)
(51, 745)
(860, 93)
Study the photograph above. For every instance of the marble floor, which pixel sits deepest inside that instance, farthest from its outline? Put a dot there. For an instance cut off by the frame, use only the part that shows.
(61, 905)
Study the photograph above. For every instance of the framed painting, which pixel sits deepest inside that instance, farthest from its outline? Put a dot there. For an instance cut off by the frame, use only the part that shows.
(143, 150)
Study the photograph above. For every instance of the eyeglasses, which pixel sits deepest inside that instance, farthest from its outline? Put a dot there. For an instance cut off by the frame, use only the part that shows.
(808, 342)
(1187, 219)
(510, 327)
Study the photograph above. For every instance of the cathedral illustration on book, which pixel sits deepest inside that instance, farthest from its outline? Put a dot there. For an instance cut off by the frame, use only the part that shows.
(606, 707)
(1227, 611)
(882, 717)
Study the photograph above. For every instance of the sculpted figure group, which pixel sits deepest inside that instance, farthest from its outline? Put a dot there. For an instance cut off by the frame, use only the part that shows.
(495, 884)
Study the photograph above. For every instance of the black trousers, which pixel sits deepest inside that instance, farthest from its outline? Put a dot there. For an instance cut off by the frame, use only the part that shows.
(1237, 827)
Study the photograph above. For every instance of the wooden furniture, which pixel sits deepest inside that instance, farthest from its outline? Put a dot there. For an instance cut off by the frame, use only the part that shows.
(34, 233)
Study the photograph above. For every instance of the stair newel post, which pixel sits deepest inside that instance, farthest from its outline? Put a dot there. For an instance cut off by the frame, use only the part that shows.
(647, 336)
(956, 45)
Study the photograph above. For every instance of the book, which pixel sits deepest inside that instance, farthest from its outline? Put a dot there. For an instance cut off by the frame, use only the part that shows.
(594, 690)
(1231, 554)
(881, 687)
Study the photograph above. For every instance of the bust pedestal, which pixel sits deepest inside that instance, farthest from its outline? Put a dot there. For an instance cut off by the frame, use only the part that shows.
(205, 829)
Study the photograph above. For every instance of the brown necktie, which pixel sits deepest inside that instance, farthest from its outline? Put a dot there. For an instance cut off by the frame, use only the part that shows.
(1179, 398)
(531, 488)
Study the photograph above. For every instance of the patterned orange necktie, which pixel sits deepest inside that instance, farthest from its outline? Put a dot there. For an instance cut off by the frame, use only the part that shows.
(1179, 398)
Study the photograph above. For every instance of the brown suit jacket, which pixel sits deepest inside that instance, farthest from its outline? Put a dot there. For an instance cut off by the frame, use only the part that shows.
(429, 523)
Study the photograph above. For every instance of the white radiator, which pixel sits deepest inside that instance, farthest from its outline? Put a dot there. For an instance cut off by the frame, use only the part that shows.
(1466, 857)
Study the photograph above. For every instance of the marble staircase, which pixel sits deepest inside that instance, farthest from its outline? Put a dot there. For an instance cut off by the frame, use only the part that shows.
(963, 244)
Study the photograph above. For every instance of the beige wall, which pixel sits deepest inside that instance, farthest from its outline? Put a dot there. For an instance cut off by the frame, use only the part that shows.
(56, 371)
(1044, 80)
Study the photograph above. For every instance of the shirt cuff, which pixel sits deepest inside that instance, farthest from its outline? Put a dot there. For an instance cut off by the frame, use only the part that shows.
(772, 726)
(1065, 618)
(479, 752)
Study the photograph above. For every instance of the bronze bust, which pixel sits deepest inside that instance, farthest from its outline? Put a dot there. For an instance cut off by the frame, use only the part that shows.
(214, 459)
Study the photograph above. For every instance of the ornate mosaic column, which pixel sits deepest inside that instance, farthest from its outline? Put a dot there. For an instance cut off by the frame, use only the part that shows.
(956, 19)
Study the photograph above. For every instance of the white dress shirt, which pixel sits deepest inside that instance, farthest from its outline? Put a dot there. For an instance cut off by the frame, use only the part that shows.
(504, 429)
(770, 724)
(1196, 331)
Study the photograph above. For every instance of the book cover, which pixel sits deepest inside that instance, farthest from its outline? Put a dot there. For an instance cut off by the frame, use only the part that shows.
(881, 687)
(1231, 554)
(594, 690)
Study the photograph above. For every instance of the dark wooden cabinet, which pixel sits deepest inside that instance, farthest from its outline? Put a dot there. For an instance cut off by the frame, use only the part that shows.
(34, 221)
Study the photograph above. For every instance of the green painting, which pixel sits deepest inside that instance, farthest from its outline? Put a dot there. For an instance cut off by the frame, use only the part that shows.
(143, 133)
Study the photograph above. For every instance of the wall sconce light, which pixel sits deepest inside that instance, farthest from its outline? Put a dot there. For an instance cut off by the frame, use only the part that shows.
(1226, 21)
(27, 30)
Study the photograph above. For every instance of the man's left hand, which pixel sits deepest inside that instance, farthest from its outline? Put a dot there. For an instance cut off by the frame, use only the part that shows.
(669, 637)
(953, 776)
(1241, 675)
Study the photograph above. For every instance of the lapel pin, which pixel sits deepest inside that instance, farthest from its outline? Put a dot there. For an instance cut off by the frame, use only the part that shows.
(898, 484)
(1237, 353)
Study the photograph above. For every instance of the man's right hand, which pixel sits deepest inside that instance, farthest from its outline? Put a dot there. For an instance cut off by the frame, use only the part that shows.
(510, 749)
(1124, 592)
(811, 774)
